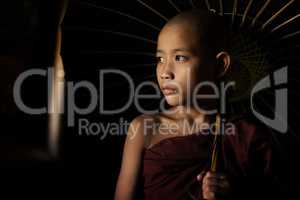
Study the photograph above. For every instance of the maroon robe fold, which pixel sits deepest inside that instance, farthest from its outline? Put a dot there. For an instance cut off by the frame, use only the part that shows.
(170, 167)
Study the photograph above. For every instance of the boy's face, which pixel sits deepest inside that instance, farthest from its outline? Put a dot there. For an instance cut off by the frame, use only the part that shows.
(180, 65)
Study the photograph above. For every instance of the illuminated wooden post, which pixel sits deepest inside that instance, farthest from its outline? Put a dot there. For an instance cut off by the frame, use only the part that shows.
(56, 99)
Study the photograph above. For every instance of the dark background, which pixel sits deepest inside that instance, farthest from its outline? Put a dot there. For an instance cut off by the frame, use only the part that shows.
(87, 48)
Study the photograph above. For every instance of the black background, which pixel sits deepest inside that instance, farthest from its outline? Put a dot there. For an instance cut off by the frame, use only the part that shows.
(85, 50)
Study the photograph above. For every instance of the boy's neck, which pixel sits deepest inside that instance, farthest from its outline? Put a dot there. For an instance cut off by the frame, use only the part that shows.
(179, 112)
(185, 112)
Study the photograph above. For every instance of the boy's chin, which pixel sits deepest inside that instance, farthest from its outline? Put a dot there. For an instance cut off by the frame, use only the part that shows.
(173, 100)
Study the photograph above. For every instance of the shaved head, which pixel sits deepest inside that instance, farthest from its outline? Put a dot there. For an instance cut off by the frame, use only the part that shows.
(207, 27)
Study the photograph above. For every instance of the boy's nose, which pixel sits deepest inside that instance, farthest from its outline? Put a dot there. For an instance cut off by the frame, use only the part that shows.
(167, 75)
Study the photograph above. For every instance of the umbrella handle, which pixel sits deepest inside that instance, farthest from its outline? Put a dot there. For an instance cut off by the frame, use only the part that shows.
(216, 145)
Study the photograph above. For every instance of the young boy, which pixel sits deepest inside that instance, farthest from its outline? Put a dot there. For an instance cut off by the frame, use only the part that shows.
(174, 161)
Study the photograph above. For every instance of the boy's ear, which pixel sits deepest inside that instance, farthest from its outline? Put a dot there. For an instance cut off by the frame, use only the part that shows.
(223, 60)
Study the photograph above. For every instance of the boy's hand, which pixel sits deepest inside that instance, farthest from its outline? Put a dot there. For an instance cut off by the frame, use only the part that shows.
(214, 185)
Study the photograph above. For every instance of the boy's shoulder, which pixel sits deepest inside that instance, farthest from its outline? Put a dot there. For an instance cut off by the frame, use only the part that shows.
(145, 119)
(145, 124)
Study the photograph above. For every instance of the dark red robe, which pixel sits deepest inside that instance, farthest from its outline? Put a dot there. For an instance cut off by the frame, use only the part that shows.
(171, 166)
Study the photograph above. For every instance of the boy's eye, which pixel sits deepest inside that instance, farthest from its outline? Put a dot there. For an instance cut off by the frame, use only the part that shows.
(160, 59)
(180, 58)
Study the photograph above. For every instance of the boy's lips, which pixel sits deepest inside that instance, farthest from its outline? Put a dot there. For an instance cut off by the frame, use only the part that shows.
(169, 90)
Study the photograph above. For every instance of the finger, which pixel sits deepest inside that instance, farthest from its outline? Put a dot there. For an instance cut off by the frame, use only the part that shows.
(213, 175)
(211, 181)
(209, 192)
(213, 187)
(210, 174)
(210, 188)
(209, 195)
(217, 182)
(201, 175)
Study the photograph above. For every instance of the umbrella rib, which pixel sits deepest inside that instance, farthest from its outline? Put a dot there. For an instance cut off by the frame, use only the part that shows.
(207, 4)
(153, 10)
(276, 14)
(234, 10)
(285, 23)
(192, 3)
(260, 12)
(122, 14)
(221, 7)
(173, 4)
(246, 12)
(290, 35)
(129, 35)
